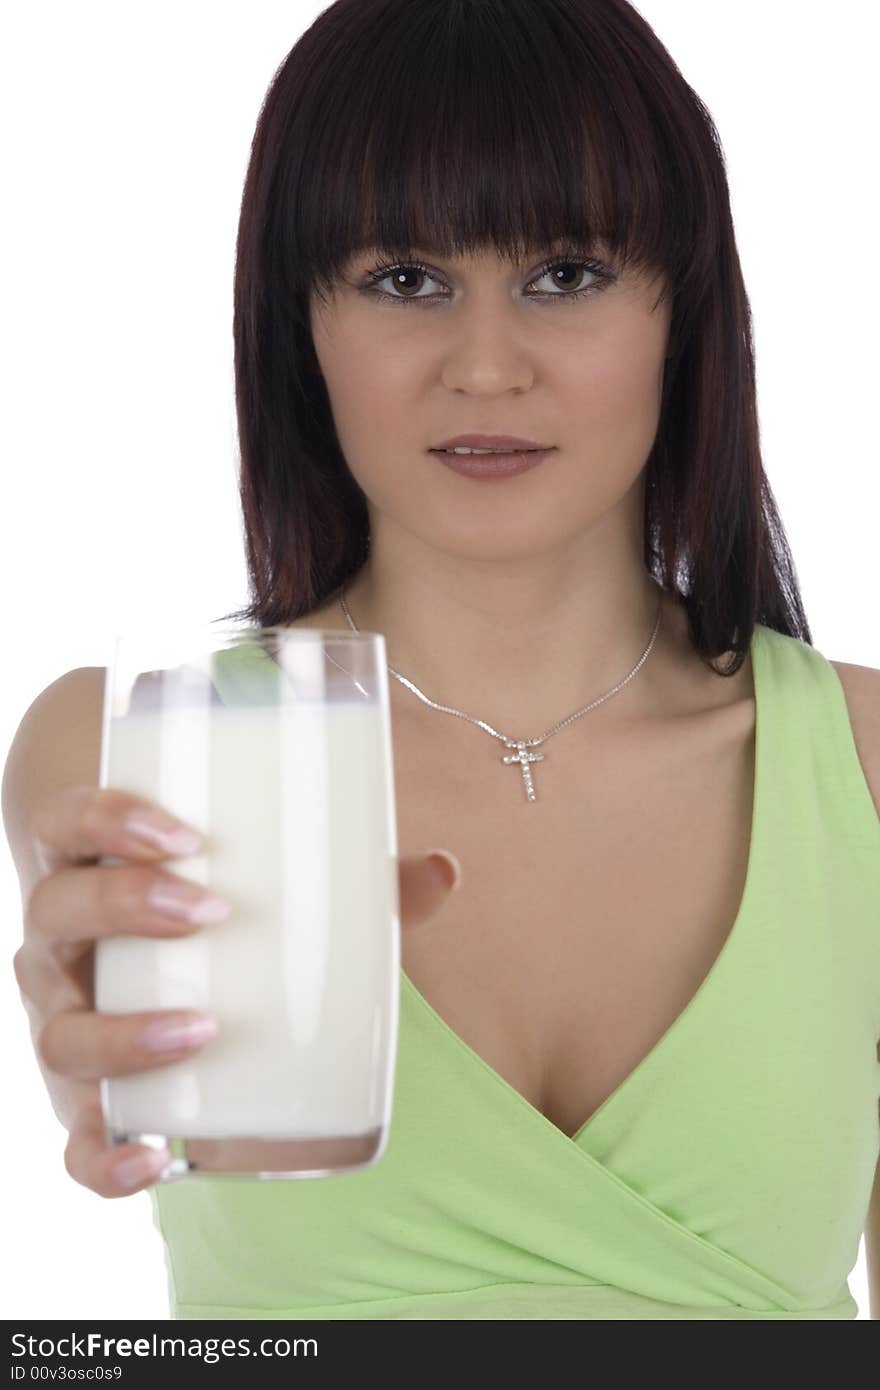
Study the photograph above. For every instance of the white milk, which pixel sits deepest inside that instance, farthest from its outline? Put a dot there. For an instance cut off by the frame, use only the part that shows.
(303, 976)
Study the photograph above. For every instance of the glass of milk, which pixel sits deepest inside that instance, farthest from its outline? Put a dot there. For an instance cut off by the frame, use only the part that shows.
(276, 744)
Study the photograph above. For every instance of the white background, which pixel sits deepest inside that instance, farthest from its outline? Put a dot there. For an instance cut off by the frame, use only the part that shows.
(126, 136)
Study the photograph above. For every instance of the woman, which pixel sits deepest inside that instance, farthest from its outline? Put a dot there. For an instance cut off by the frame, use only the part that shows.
(637, 1067)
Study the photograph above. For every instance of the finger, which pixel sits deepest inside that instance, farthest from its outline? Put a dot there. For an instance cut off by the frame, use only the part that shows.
(111, 1170)
(425, 882)
(88, 1045)
(80, 823)
(84, 902)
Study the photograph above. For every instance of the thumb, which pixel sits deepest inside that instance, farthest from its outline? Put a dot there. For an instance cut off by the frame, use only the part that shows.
(425, 882)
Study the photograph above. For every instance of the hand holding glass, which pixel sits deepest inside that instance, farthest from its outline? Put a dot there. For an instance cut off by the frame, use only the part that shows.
(276, 744)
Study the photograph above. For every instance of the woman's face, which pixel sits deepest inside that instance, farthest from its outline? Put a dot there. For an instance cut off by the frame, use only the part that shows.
(481, 344)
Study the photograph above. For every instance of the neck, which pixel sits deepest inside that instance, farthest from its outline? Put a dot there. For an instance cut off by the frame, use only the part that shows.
(521, 645)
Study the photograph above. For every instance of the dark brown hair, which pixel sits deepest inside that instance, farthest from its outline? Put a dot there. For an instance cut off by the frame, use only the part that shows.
(459, 125)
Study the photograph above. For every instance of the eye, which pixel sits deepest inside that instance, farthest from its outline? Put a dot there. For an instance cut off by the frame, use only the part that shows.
(600, 278)
(398, 274)
(405, 271)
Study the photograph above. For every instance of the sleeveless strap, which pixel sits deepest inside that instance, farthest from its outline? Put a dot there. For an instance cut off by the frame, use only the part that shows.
(822, 811)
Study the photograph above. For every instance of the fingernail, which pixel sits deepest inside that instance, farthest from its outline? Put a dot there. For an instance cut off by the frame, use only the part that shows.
(171, 1034)
(131, 1172)
(163, 832)
(453, 867)
(188, 902)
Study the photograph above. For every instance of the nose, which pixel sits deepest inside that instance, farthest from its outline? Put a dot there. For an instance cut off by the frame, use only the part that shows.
(485, 356)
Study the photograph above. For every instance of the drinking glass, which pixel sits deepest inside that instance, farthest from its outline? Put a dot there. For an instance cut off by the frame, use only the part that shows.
(275, 743)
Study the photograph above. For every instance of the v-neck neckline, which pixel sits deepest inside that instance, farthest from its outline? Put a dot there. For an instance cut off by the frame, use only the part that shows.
(710, 980)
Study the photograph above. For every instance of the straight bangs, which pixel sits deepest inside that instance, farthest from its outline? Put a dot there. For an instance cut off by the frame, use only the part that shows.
(466, 125)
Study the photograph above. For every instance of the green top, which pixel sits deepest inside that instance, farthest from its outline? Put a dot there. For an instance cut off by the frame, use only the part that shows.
(728, 1175)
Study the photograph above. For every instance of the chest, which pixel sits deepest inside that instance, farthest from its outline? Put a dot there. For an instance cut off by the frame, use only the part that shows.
(588, 919)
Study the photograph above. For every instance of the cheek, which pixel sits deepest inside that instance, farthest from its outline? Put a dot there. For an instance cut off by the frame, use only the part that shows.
(346, 362)
(368, 400)
(612, 405)
(360, 387)
(614, 387)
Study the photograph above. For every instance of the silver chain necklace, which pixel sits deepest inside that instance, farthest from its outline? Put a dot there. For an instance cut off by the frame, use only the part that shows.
(522, 746)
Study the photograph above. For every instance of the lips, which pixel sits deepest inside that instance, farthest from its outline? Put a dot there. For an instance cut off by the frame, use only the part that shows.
(488, 466)
(504, 443)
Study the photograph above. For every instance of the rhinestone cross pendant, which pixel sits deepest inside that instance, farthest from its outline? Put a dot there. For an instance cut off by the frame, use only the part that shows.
(525, 758)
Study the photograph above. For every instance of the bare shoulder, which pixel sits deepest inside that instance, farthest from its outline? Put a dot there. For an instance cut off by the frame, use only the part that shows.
(69, 708)
(57, 742)
(861, 688)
